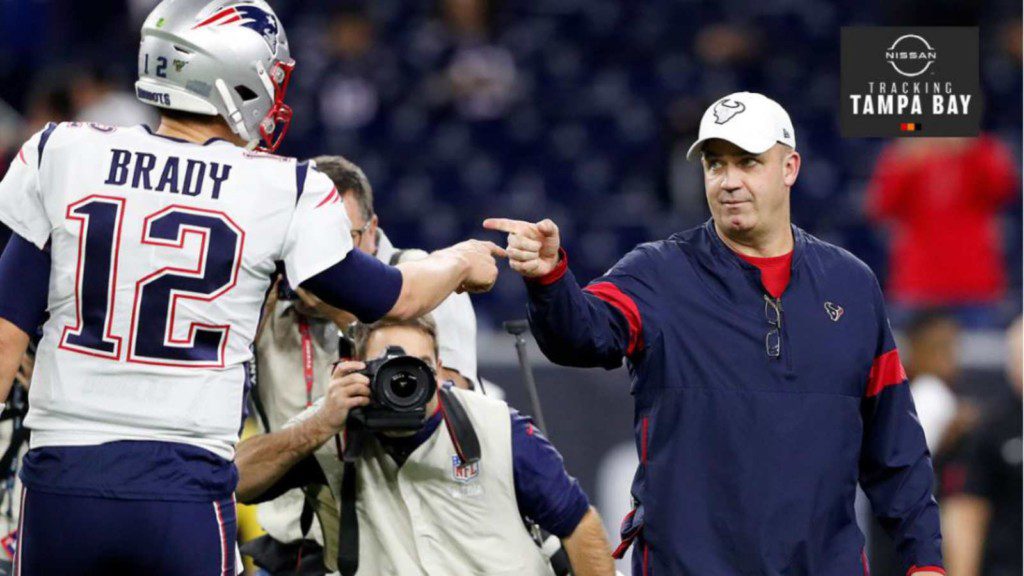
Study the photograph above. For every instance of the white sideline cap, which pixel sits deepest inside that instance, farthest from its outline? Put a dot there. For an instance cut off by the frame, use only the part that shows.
(752, 121)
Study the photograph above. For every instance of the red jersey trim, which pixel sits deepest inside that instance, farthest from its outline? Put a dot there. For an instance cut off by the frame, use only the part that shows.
(916, 569)
(611, 294)
(887, 370)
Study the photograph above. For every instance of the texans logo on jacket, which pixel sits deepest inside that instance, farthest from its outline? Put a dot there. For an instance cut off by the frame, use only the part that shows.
(835, 312)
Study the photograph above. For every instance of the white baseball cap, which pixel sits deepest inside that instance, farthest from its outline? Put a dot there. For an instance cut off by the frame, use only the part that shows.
(752, 121)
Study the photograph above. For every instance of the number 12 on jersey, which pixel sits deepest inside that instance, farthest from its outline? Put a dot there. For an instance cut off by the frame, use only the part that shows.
(151, 338)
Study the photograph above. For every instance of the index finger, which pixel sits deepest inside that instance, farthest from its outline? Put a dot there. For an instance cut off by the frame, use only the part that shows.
(506, 225)
(495, 250)
(347, 367)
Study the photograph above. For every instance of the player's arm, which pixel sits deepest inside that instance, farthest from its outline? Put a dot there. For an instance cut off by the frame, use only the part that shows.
(553, 499)
(318, 256)
(13, 343)
(25, 268)
(456, 333)
(587, 547)
(264, 460)
(370, 289)
(24, 285)
(895, 469)
(574, 327)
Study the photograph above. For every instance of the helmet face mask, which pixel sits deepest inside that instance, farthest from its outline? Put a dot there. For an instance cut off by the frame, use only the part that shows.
(227, 58)
(280, 115)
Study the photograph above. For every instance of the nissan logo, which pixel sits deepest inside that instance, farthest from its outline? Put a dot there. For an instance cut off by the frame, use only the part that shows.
(910, 55)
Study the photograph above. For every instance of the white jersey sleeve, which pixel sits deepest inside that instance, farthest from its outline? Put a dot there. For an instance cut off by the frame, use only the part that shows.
(319, 233)
(21, 202)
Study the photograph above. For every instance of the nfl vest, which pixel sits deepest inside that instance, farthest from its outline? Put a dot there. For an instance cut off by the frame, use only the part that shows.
(433, 516)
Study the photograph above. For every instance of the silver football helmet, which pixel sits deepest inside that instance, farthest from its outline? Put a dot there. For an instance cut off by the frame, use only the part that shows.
(226, 57)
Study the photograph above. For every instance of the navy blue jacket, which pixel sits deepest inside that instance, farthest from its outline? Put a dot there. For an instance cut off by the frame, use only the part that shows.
(749, 463)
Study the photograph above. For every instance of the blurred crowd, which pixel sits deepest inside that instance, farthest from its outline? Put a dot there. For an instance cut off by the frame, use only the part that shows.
(976, 447)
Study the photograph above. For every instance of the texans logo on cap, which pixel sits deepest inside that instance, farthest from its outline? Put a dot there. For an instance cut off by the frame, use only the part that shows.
(726, 109)
(251, 17)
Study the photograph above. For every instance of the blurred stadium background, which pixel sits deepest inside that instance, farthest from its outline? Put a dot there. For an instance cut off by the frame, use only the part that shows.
(581, 111)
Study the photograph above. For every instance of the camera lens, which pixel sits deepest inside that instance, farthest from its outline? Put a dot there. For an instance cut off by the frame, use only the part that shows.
(403, 385)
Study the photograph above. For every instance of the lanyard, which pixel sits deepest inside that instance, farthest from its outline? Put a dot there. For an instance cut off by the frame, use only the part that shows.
(307, 359)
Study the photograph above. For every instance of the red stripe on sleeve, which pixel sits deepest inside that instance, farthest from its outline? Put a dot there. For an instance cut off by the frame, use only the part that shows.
(329, 199)
(917, 569)
(556, 273)
(887, 370)
(611, 294)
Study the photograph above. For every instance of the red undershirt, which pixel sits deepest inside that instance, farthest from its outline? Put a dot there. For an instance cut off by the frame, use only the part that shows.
(774, 271)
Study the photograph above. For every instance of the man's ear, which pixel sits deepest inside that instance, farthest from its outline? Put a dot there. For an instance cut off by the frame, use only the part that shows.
(791, 167)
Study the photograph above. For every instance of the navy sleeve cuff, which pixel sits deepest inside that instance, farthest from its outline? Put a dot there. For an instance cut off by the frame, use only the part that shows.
(544, 490)
(359, 284)
(24, 284)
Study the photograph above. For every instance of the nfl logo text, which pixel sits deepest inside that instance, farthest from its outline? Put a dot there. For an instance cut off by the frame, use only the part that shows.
(464, 472)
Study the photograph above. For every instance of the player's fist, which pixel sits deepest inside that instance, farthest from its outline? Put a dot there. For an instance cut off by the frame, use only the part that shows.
(348, 389)
(532, 248)
(481, 267)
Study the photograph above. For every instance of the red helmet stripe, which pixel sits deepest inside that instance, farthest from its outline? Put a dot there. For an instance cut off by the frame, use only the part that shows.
(216, 17)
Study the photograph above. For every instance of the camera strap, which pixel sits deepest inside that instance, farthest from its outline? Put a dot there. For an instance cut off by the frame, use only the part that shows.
(460, 427)
(348, 520)
(348, 526)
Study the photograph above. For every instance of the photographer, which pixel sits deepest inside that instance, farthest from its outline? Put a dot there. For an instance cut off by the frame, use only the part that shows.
(456, 321)
(419, 509)
(299, 336)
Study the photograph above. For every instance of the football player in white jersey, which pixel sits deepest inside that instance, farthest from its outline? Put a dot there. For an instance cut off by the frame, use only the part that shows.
(155, 251)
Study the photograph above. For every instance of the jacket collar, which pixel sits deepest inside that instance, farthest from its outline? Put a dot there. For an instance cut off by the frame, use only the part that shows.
(722, 254)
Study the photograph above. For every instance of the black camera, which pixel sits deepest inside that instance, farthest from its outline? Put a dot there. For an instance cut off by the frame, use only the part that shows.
(400, 388)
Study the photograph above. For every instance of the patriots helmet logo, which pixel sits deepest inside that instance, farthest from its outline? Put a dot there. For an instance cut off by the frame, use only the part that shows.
(726, 109)
(834, 311)
(247, 16)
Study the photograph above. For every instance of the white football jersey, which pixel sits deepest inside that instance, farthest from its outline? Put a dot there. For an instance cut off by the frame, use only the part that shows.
(161, 256)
